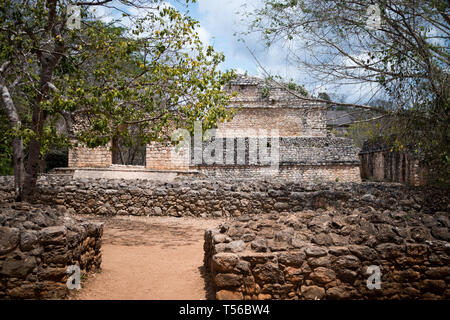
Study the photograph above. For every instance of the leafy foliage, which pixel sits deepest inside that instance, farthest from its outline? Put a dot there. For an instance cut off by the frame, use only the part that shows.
(94, 83)
(406, 56)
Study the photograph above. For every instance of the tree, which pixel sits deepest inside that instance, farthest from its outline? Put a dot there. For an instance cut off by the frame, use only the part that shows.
(323, 96)
(399, 46)
(101, 79)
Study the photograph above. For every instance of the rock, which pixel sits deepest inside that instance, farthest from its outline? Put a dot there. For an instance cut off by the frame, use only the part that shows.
(18, 265)
(157, 211)
(223, 280)
(217, 213)
(220, 247)
(363, 252)
(416, 250)
(294, 275)
(268, 273)
(315, 251)
(291, 258)
(385, 233)
(53, 235)
(338, 293)
(347, 262)
(322, 275)
(319, 262)
(220, 238)
(299, 242)
(249, 237)
(263, 296)
(338, 251)
(323, 239)
(25, 291)
(347, 275)
(243, 266)
(280, 206)
(235, 246)
(224, 262)
(277, 245)
(56, 274)
(229, 295)
(312, 292)
(441, 233)
(259, 245)
(9, 239)
(284, 235)
(434, 286)
(28, 240)
(368, 197)
(390, 251)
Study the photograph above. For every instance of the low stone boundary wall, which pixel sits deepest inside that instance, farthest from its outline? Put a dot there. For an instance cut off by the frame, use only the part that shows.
(221, 197)
(37, 244)
(328, 255)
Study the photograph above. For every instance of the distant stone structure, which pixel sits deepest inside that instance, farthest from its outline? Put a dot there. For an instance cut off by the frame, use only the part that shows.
(380, 163)
(307, 151)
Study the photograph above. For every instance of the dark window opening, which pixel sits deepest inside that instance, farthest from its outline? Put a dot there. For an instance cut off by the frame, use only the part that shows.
(128, 149)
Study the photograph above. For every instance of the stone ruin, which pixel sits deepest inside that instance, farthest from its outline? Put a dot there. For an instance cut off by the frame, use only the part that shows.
(327, 254)
(37, 245)
(307, 151)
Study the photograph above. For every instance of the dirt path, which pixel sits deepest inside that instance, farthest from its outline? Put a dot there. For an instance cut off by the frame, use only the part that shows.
(150, 258)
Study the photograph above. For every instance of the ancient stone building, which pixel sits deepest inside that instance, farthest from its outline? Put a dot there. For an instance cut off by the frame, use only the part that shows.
(380, 163)
(269, 121)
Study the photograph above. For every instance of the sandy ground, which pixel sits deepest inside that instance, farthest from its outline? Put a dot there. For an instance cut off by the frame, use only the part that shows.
(157, 258)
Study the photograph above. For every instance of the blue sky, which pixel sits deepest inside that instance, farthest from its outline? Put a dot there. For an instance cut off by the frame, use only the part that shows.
(220, 20)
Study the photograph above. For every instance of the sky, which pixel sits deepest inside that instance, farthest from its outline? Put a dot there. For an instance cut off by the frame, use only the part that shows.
(222, 24)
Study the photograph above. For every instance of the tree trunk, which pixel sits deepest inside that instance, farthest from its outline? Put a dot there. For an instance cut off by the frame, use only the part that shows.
(18, 168)
(15, 124)
(48, 63)
(32, 170)
(115, 149)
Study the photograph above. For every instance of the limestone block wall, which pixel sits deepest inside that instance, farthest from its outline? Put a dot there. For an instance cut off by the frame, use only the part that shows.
(166, 157)
(300, 121)
(37, 244)
(294, 173)
(83, 157)
(329, 254)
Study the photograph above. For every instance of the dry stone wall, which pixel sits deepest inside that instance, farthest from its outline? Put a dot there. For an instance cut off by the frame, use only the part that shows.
(326, 254)
(191, 196)
(37, 244)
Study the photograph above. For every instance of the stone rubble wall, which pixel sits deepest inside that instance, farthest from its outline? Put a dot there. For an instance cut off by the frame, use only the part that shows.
(325, 254)
(220, 197)
(37, 244)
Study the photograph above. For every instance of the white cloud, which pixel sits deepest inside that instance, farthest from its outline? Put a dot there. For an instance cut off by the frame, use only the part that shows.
(204, 36)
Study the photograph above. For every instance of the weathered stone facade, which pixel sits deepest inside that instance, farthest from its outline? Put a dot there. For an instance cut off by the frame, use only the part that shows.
(307, 150)
(37, 244)
(264, 106)
(379, 163)
(83, 157)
